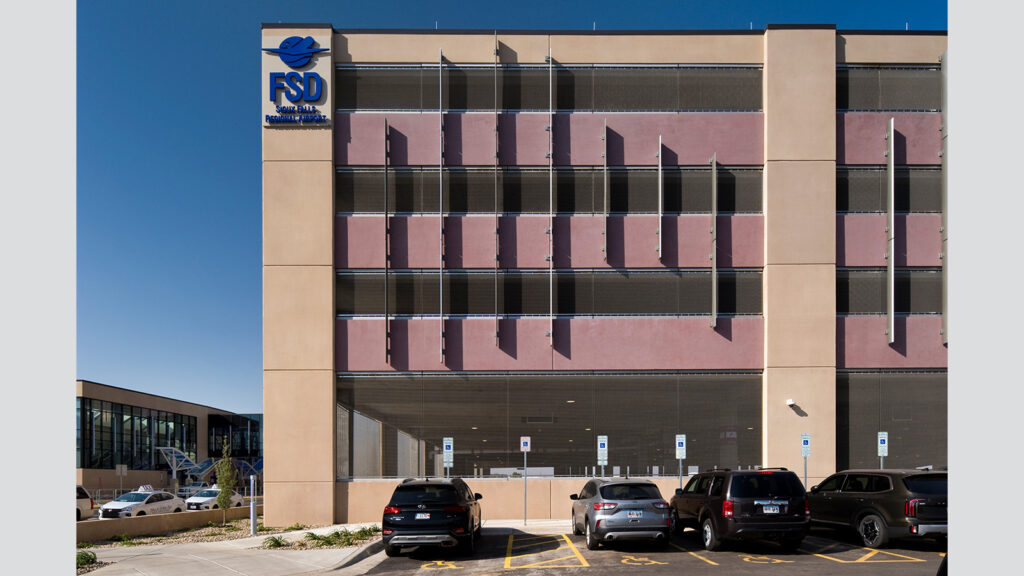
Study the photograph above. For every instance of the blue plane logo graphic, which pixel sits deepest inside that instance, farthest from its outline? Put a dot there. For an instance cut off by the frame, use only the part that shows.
(296, 51)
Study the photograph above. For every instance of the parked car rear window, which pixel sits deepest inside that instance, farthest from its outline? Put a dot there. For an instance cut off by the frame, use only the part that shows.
(927, 484)
(207, 493)
(133, 497)
(763, 485)
(630, 492)
(82, 494)
(412, 495)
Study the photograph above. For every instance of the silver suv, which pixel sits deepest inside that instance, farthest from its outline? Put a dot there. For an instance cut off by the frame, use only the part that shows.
(620, 509)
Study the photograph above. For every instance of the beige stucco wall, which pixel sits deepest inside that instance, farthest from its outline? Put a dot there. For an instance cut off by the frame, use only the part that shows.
(547, 498)
(799, 273)
(889, 48)
(708, 48)
(97, 530)
(298, 311)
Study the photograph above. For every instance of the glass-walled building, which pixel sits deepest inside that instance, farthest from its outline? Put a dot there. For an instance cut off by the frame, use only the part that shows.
(116, 426)
(735, 236)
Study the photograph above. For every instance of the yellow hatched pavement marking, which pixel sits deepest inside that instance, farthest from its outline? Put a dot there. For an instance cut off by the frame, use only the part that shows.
(544, 563)
(867, 558)
(694, 554)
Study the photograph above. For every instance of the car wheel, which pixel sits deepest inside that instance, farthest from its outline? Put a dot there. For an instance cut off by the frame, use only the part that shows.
(575, 527)
(674, 526)
(592, 542)
(238, 504)
(873, 531)
(391, 551)
(177, 509)
(141, 514)
(708, 536)
(469, 544)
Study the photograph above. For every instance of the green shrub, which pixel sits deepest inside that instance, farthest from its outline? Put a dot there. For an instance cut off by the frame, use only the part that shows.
(296, 526)
(85, 545)
(85, 558)
(274, 542)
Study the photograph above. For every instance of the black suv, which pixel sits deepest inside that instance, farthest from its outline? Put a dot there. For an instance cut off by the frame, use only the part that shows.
(770, 503)
(431, 512)
(883, 504)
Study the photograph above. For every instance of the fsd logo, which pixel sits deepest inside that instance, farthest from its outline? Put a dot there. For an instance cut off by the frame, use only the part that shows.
(296, 52)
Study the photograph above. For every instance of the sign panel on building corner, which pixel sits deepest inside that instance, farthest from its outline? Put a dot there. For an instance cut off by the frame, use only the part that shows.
(295, 73)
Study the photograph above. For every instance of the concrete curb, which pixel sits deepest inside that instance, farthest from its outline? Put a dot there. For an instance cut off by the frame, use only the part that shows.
(359, 555)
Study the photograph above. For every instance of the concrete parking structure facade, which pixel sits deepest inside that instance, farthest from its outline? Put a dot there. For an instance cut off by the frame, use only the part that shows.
(485, 235)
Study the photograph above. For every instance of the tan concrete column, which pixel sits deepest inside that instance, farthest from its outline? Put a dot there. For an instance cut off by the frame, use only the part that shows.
(800, 248)
(298, 303)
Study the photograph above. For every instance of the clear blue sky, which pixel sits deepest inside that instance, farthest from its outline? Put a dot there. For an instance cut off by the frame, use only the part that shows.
(168, 149)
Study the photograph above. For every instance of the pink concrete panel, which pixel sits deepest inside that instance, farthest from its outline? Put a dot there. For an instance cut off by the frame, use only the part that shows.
(860, 137)
(469, 241)
(415, 242)
(524, 140)
(688, 138)
(359, 241)
(861, 239)
(469, 140)
(580, 343)
(861, 342)
(524, 241)
(652, 343)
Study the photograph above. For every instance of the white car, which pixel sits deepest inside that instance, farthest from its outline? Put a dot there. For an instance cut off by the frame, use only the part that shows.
(207, 499)
(142, 502)
(84, 504)
(191, 489)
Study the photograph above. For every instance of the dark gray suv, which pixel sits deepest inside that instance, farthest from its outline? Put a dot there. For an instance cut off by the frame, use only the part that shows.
(606, 510)
(734, 504)
(431, 512)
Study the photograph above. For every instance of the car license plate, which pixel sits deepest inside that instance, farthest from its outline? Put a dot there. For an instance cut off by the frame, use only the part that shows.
(423, 515)
(770, 509)
(634, 514)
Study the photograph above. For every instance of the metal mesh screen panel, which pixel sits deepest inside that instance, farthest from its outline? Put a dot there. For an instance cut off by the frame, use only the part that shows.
(380, 89)
(720, 89)
(521, 89)
(889, 89)
(918, 190)
(636, 89)
(574, 88)
(563, 414)
(911, 407)
(468, 88)
(863, 291)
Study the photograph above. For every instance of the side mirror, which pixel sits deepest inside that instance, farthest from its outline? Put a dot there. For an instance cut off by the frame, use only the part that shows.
(478, 496)
(814, 489)
(679, 491)
(573, 497)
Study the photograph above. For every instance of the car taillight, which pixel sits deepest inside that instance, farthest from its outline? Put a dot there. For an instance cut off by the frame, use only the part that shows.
(727, 508)
(387, 531)
(392, 510)
(92, 504)
(661, 504)
(807, 508)
(765, 473)
(604, 505)
(911, 506)
(454, 508)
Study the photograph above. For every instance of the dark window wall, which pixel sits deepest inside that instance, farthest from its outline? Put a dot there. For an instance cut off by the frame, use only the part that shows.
(392, 425)
(574, 88)
(917, 190)
(911, 407)
(516, 190)
(918, 291)
(583, 293)
(243, 432)
(109, 434)
(889, 88)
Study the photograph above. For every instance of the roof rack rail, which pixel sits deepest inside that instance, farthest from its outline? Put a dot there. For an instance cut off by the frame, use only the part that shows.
(407, 480)
(719, 470)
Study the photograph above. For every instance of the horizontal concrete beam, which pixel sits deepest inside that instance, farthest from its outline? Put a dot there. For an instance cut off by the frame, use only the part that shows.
(105, 529)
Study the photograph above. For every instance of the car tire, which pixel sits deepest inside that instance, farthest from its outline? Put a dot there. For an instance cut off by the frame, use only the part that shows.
(592, 542)
(141, 514)
(674, 526)
(391, 551)
(469, 543)
(177, 509)
(215, 507)
(708, 535)
(872, 531)
(575, 527)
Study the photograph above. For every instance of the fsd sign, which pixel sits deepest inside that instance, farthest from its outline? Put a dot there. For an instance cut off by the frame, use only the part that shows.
(294, 73)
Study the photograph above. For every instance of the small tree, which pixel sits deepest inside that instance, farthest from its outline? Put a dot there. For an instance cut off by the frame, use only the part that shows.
(225, 470)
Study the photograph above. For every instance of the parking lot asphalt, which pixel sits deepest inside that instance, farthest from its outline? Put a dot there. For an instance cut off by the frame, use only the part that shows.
(537, 548)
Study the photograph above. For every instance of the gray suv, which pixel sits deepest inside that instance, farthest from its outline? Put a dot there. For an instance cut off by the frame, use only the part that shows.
(620, 509)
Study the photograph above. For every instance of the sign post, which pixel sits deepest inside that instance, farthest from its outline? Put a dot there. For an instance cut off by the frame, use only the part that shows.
(449, 458)
(252, 504)
(602, 452)
(524, 446)
(680, 455)
(805, 451)
(883, 448)
(121, 470)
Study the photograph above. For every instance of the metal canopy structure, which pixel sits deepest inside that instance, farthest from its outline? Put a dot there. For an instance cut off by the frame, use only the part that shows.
(177, 460)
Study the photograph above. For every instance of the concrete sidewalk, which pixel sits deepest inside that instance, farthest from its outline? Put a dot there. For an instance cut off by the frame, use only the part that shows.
(244, 557)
